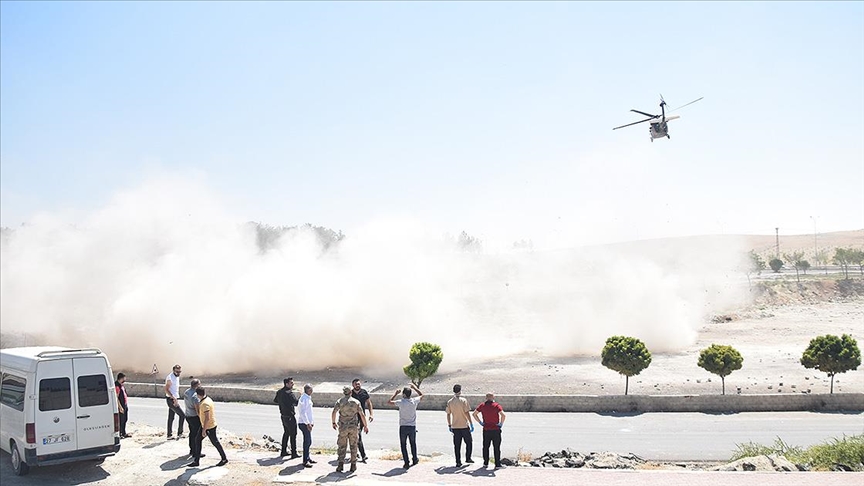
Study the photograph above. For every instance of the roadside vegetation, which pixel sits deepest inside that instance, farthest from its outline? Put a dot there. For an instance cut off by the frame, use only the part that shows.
(846, 453)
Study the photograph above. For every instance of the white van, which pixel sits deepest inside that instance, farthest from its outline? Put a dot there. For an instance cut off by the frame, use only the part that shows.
(57, 405)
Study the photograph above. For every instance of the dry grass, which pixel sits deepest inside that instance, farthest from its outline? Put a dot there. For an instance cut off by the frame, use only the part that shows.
(522, 456)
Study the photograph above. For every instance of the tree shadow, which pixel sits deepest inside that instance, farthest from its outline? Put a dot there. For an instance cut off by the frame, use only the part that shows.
(619, 414)
(175, 464)
(183, 479)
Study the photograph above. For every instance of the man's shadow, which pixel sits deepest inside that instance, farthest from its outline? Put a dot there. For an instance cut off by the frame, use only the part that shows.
(396, 471)
(291, 469)
(174, 464)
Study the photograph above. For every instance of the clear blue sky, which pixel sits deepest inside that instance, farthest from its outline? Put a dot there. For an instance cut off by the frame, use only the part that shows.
(490, 117)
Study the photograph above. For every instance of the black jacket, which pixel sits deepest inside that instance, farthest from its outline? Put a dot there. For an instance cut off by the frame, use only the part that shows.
(286, 400)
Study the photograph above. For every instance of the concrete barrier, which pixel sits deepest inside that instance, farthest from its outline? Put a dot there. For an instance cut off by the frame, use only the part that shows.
(779, 402)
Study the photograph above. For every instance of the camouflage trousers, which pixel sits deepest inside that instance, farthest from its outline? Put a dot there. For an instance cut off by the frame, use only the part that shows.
(347, 436)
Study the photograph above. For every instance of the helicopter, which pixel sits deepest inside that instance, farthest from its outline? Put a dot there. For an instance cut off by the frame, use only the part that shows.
(659, 128)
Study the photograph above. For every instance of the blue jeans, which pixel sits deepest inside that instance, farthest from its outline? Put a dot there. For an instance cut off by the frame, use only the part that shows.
(307, 441)
(408, 433)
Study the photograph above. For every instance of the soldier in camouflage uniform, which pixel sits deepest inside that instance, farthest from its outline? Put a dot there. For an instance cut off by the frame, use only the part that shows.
(350, 417)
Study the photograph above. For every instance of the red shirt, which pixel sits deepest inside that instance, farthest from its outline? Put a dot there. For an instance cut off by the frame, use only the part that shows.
(490, 415)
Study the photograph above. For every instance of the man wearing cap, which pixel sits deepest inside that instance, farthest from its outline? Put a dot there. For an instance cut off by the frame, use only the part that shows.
(350, 413)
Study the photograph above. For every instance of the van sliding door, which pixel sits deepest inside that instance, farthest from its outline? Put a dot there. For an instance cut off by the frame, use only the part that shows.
(94, 409)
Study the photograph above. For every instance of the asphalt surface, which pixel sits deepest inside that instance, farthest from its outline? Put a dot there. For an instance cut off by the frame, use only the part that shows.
(652, 436)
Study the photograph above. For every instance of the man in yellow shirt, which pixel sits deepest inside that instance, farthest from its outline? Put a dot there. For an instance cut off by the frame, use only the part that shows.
(207, 415)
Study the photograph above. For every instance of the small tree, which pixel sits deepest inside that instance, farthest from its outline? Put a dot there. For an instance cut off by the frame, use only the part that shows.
(755, 265)
(626, 355)
(803, 265)
(720, 360)
(856, 257)
(832, 355)
(425, 358)
(776, 264)
(795, 260)
(841, 257)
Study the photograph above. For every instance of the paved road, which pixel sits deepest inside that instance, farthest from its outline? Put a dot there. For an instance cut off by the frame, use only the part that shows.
(655, 436)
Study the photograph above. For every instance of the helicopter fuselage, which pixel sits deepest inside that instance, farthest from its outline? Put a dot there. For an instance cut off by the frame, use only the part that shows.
(660, 129)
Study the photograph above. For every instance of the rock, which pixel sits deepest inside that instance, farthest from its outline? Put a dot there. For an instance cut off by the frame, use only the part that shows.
(782, 464)
(771, 463)
(507, 462)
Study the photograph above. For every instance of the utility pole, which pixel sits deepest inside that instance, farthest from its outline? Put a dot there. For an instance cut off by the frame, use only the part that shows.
(777, 250)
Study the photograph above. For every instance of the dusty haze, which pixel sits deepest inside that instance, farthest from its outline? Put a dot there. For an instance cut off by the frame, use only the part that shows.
(165, 274)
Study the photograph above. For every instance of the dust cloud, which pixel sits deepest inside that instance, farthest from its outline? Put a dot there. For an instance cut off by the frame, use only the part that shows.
(164, 273)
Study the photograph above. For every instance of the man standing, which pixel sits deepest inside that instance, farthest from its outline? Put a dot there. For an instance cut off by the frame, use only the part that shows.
(286, 400)
(122, 403)
(190, 403)
(207, 415)
(493, 420)
(349, 411)
(460, 424)
(172, 397)
(362, 396)
(407, 421)
(305, 421)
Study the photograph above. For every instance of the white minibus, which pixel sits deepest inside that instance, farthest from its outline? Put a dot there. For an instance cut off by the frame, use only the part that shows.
(57, 405)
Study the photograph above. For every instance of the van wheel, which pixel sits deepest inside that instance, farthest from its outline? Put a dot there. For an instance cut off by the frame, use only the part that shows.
(18, 465)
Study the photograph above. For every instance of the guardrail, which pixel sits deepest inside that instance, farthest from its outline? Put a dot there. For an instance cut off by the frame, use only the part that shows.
(787, 402)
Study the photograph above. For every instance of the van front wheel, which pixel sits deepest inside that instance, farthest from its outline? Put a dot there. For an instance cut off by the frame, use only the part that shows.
(18, 465)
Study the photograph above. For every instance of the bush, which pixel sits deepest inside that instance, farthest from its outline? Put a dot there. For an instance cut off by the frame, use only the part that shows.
(848, 451)
(776, 264)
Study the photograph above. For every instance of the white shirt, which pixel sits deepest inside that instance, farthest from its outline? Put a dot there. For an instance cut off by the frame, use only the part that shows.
(304, 410)
(174, 388)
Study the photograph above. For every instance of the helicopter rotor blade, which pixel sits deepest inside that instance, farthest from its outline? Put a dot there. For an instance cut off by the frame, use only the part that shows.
(682, 106)
(646, 114)
(635, 123)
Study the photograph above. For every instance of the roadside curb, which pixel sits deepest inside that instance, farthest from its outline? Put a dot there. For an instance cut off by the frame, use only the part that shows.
(800, 402)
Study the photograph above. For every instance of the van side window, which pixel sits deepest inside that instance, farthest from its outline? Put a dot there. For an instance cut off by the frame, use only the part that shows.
(12, 392)
(55, 394)
(92, 390)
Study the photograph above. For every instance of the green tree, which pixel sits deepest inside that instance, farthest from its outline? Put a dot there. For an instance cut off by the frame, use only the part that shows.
(425, 359)
(776, 264)
(803, 265)
(841, 257)
(831, 354)
(795, 260)
(626, 355)
(720, 360)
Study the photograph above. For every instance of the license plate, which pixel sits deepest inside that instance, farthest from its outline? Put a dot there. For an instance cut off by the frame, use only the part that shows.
(54, 439)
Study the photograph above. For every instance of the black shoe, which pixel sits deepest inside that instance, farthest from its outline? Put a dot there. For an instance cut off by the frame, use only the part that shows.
(416, 461)
(222, 462)
(406, 466)
(469, 461)
(458, 464)
(339, 468)
(307, 464)
(363, 459)
(283, 454)
(192, 464)
(310, 461)
(353, 468)
(485, 464)
(294, 456)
